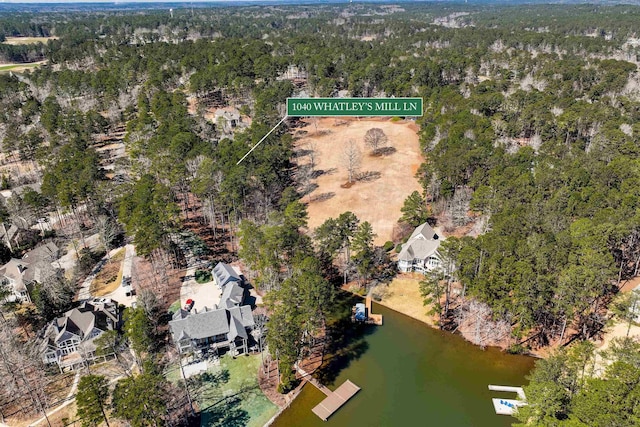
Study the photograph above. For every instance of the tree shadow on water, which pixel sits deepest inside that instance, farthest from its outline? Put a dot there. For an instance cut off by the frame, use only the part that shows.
(346, 340)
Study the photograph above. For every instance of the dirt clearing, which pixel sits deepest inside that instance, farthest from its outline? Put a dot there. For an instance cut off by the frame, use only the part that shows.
(386, 180)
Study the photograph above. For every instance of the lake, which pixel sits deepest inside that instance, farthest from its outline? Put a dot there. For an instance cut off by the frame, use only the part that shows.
(412, 374)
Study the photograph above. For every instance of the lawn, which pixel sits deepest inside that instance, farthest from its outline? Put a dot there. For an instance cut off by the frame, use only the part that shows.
(19, 67)
(229, 394)
(28, 40)
(109, 278)
(403, 295)
(174, 307)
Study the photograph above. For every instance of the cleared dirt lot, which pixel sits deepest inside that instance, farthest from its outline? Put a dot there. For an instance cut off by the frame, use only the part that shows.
(377, 199)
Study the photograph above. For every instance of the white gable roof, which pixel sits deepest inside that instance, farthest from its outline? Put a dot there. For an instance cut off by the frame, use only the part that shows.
(423, 243)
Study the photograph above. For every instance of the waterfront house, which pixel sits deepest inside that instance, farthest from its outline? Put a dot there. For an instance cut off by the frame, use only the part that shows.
(224, 274)
(219, 329)
(420, 253)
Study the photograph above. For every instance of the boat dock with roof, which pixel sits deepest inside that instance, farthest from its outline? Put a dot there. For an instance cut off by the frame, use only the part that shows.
(361, 313)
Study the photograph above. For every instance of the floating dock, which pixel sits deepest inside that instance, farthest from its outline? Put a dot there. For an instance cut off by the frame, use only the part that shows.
(369, 318)
(508, 406)
(334, 399)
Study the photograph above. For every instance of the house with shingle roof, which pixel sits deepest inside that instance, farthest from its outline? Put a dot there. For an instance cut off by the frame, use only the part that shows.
(219, 329)
(224, 274)
(420, 253)
(34, 267)
(68, 340)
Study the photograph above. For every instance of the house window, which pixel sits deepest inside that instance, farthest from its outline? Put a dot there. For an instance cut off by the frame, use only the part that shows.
(219, 338)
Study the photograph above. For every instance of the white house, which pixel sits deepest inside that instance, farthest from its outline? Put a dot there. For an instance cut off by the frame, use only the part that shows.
(420, 253)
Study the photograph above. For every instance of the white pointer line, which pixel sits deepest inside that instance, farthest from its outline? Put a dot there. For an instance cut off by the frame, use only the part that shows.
(263, 138)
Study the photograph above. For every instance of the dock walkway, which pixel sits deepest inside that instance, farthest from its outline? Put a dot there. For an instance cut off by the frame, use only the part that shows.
(334, 400)
(508, 406)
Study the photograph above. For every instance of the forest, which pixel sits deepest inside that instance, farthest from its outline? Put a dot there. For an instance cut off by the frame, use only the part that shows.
(530, 133)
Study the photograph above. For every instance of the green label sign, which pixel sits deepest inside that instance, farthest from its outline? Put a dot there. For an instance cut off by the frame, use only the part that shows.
(305, 107)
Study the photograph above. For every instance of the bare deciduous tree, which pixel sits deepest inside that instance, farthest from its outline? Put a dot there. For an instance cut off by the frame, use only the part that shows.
(108, 230)
(351, 159)
(475, 323)
(375, 138)
(312, 148)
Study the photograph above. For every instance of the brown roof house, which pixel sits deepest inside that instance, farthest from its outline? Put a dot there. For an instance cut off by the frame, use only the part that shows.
(69, 339)
(34, 267)
(420, 253)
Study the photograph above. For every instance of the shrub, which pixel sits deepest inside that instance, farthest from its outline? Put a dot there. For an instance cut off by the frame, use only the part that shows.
(388, 246)
(203, 276)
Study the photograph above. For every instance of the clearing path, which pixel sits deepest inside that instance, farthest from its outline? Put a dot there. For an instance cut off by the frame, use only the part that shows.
(389, 178)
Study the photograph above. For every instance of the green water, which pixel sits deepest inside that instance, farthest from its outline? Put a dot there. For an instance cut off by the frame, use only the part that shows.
(413, 375)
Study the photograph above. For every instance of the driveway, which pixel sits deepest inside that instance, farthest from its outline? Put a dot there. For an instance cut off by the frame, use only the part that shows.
(203, 294)
(119, 294)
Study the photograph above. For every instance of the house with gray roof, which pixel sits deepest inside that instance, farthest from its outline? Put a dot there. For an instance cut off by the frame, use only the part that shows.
(34, 267)
(232, 296)
(224, 274)
(420, 253)
(68, 340)
(219, 329)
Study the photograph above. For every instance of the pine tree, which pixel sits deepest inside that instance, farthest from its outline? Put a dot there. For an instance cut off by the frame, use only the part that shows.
(93, 392)
(414, 211)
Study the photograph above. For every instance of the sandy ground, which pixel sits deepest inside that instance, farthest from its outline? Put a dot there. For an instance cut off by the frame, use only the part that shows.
(403, 295)
(377, 201)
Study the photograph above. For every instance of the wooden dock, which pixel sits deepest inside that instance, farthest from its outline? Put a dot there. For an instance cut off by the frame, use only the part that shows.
(334, 400)
(375, 319)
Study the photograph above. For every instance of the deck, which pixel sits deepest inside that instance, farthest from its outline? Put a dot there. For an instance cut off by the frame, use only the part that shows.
(375, 319)
(507, 406)
(334, 400)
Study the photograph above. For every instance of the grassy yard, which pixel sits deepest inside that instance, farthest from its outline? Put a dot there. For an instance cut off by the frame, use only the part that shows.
(28, 40)
(403, 295)
(109, 278)
(229, 394)
(174, 307)
(19, 67)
